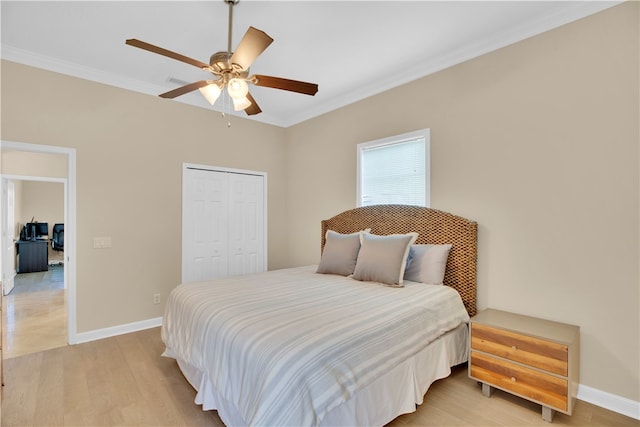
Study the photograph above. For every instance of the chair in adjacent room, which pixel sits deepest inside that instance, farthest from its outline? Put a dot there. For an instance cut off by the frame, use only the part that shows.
(57, 238)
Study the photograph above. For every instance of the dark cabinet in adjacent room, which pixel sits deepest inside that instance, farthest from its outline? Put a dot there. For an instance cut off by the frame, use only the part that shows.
(32, 256)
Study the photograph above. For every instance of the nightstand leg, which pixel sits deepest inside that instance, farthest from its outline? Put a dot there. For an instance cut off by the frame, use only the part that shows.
(487, 390)
(547, 414)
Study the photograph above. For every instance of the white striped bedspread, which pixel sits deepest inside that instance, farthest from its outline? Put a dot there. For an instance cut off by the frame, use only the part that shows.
(287, 346)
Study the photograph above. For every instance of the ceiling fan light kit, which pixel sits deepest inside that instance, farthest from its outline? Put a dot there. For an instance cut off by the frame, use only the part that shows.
(231, 70)
(211, 92)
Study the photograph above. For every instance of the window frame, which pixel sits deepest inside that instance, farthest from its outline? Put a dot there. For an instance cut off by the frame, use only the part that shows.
(392, 140)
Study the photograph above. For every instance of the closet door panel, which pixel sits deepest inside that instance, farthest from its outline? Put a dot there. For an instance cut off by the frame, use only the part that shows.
(246, 224)
(205, 255)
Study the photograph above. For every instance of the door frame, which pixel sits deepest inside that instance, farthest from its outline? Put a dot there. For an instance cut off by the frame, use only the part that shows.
(185, 167)
(70, 268)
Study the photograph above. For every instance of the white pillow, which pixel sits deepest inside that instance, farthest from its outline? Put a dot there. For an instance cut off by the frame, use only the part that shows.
(428, 264)
(340, 253)
(383, 258)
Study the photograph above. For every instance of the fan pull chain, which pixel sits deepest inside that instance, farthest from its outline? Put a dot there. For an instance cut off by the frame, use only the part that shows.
(226, 106)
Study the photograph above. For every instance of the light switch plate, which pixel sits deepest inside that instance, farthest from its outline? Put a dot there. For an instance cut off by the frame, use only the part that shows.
(101, 242)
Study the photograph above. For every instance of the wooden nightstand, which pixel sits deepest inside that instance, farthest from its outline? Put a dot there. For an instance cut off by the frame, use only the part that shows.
(536, 359)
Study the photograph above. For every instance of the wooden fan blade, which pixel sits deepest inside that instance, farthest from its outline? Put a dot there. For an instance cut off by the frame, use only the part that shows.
(285, 84)
(167, 53)
(251, 46)
(253, 108)
(185, 89)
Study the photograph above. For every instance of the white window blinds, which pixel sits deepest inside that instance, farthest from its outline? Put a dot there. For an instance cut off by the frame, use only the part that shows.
(394, 170)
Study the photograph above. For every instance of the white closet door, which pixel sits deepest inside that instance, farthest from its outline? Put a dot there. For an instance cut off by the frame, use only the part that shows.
(223, 224)
(246, 224)
(205, 254)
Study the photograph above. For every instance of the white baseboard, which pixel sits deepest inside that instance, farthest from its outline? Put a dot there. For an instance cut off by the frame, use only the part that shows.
(609, 401)
(113, 331)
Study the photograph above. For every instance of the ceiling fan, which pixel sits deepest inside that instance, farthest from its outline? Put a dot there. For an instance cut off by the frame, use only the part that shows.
(231, 70)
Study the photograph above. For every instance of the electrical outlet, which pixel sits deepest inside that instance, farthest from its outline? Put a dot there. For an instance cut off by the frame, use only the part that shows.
(156, 298)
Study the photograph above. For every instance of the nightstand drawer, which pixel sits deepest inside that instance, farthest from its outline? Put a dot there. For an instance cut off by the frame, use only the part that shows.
(530, 383)
(539, 353)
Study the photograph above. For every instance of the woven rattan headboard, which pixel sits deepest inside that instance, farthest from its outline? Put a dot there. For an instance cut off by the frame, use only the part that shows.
(433, 226)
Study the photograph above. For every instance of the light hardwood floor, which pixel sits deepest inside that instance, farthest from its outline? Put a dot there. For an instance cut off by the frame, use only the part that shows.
(35, 315)
(124, 381)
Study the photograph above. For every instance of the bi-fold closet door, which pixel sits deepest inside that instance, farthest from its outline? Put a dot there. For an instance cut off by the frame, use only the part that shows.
(223, 223)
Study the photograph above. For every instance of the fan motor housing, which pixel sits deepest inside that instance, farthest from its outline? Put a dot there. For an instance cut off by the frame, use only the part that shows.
(219, 61)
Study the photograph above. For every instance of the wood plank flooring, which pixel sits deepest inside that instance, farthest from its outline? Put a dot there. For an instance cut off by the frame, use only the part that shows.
(35, 314)
(123, 381)
(119, 381)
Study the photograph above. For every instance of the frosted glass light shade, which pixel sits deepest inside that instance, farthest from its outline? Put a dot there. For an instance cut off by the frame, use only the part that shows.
(237, 88)
(211, 92)
(240, 104)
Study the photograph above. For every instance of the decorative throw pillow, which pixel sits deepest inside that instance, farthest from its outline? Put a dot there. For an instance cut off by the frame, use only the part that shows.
(340, 253)
(428, 264)
(383, 259)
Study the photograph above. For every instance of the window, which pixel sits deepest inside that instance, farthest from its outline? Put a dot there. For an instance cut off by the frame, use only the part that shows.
(394, 170)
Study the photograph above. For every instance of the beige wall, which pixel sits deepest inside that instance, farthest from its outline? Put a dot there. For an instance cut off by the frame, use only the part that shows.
(538, 143)
(33, 164)
(44, 201)
(130, 149)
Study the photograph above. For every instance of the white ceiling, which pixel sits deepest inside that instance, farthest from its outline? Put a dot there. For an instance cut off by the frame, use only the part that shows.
(352, 49)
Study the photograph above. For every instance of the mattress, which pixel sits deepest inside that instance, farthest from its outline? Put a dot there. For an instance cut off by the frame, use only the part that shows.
(292, 347)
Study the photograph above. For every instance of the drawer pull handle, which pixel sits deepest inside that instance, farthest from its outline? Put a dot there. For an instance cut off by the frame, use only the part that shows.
(513, 347)
(513, 379)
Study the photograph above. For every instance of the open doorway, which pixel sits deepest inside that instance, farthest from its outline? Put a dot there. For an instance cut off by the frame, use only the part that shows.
(35, 300)
(63, 262)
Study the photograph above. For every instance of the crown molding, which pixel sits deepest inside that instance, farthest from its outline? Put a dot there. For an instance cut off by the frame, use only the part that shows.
(573, 11)
(56, 65)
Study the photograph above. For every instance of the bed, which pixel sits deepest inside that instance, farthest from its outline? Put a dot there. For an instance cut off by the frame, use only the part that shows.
(296, 347)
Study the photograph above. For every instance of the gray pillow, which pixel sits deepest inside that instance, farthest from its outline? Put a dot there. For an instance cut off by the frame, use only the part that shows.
(428, 264)
(383, 258)
(340, 253)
